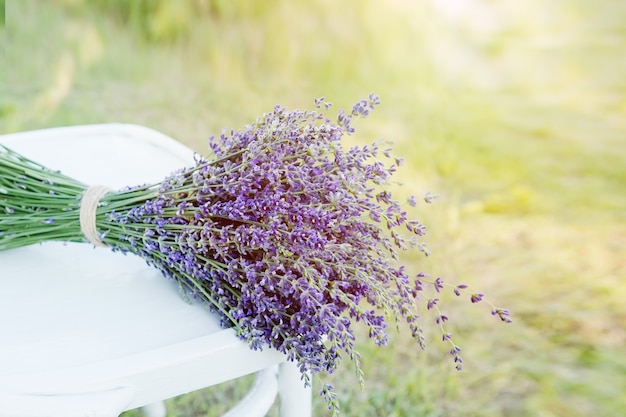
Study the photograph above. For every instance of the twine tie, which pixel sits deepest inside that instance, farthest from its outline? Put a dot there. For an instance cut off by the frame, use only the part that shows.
(88, 206)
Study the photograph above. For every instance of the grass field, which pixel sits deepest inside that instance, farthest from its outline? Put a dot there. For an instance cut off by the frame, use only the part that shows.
(514, 112)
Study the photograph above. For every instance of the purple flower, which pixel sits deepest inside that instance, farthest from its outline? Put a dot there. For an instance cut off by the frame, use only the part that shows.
(438, 284)
(475, 298)
(442, 318)
(503, 314)
(428, 197)
(432, 303)
(459, 288)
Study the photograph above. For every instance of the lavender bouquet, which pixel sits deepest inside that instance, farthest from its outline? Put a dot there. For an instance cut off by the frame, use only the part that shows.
(290, 239)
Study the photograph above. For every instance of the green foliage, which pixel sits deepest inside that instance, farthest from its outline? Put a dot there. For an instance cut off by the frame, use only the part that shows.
(518, 122)
(213, 402)
(154, 20)
(168, 21)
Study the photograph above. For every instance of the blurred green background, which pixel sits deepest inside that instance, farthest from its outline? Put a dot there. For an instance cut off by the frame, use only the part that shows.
(514, 112)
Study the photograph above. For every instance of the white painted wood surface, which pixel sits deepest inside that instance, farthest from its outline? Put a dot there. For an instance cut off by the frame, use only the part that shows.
(88, 332)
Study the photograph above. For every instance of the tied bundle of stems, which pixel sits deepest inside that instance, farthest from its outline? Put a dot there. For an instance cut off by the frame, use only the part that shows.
(290, 239)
